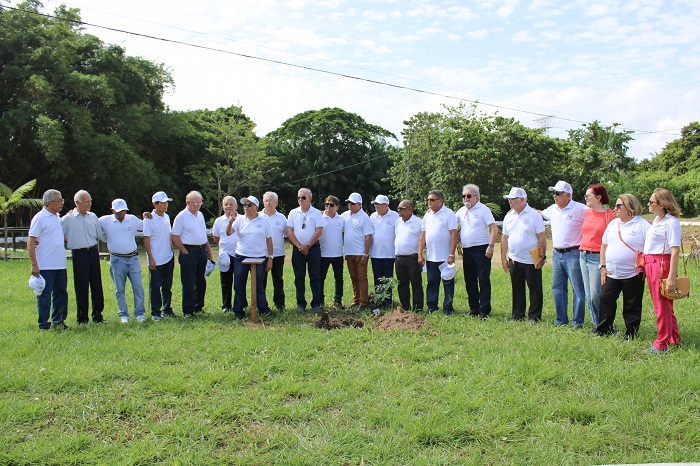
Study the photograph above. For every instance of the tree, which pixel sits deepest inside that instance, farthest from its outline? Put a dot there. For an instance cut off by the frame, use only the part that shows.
(331, 151)
(11, 200)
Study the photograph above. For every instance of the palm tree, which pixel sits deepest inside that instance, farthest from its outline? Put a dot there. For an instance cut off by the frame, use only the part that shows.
(10, 200)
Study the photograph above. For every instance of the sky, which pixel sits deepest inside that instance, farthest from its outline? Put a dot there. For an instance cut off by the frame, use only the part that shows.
(542, 62)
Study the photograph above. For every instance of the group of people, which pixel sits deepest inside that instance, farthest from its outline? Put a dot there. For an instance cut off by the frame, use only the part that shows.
(602, 252)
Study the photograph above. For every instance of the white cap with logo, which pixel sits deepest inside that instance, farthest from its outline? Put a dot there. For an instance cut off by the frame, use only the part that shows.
(381, 199)
(252, 199)
(160, 196)
(118, 205)
(37, 284)
(515, 193)
(355, 198)
(562, 187)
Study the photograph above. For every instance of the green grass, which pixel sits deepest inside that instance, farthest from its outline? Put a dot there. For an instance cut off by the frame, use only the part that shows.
(462, 391)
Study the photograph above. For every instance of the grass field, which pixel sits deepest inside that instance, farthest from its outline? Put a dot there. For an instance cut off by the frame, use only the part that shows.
(461, 391)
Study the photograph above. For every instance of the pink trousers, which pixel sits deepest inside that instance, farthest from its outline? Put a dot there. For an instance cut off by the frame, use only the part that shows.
(665, 318)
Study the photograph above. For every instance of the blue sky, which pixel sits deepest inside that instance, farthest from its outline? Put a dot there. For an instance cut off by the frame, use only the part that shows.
(636, 63)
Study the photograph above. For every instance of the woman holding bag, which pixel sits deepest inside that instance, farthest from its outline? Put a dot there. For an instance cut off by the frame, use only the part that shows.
(661, 255)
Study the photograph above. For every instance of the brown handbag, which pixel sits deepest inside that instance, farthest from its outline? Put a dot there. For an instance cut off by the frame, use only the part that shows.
(639, 258)
(682, 289)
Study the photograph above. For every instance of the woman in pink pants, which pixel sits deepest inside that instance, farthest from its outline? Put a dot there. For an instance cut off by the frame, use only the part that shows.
(661, 255)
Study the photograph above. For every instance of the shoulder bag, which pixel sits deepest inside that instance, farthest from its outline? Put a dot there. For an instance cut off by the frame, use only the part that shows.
(682, 283)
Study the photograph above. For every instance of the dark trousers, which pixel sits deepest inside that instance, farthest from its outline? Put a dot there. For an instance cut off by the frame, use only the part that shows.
(54, 293)
(227, 285)
(277, 273)
(432, 290)
(520, 275)
(337, 263)
(383, 268)
(300, 262)
(194, 284)
(87, 277)
(160, 288)
(477, 278)
(410, 277)
(632, 290)
(240, 281)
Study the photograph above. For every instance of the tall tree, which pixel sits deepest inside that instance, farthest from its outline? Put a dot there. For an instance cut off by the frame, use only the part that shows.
(12, 200)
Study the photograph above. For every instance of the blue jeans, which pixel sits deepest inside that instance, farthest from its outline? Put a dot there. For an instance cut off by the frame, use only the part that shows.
(383, 268)
(120, 268)
(299, 265)
(240, 280)
(477, 278)
(160, 288)
(566, 267)
(432, 290)
(54, 291)
(591, 281)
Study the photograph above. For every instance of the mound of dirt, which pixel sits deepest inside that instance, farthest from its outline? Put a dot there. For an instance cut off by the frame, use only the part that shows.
(330, 323)
(398, 319)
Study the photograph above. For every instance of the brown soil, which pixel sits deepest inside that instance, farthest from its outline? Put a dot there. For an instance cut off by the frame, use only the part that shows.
(330, 323)
(398, 319)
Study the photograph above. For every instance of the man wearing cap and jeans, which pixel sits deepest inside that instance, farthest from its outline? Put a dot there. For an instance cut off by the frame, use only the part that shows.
(357, 238)
(120, 230)
(332, 249)
(161, 260)
(523, 232)
(48, 258)
(189, 234)
(83, 231)
(439, 237)
(566, 219)
(304, 228)
(382, 251)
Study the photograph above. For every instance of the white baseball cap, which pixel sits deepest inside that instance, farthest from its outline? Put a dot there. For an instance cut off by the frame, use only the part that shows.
(252, 199)
(37, 284)
(209, 268)
(515, 192)
(447, 271)
(381, 199)
(224, 261)
(354, 198)
(160, 196)
(562, 187)
(118, 205)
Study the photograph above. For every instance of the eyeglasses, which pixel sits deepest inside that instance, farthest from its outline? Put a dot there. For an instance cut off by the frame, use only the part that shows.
(467, 196)
(352, 203)
(60, 201)
(558, 193)
(248, 205)
(619, 206)
(653, 202)
(433, 199)
(330, 204)
(301, 198)
(401, 208)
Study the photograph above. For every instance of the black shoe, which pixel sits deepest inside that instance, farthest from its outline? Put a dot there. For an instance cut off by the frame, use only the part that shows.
(60, 326)
(338, 305)
(190, 316)
(474, 313)
(483, 317)
(170, 315)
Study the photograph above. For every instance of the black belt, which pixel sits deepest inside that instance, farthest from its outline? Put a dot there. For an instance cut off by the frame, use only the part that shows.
(407, 255)
(563, 250)
(125, 256)
(90, 248)
(195, 246)
(590, 252)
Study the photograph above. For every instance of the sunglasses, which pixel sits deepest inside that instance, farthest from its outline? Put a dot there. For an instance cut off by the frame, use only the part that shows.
(432, 200)
(467, 196)
(301, 198)
(619, 206)
(652, 202)
(248, 205)
(558, 193)
(352, 203)
(330, 204)
(401, 208)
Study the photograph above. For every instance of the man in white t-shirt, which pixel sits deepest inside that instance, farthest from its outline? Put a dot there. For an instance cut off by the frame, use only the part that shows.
(381, 251)
(304, 228)
(278, 224)
(357, 238)
(227, 250)
(478, 233)
(439, 237)
(523, 234)
(120, 230)
(48, 258)
(161, 260)
(332, 249)
(566, 220)
(408, 270)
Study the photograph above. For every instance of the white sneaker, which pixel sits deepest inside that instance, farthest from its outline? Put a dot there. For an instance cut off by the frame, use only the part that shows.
(125, 319)
(141, 319)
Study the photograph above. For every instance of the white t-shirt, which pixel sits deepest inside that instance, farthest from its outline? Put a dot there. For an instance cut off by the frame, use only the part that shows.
(669, 228)
(332, 238)
(121, 236)
(475, 223)
(619, 259)
(158, 229)
(47, 228)
(357, 226)
(191, 230)
(522, 230)
(384, 235)
(226, 243)
(407, 236)
(278, 224)
(566, 223)
(305, 224)
(252, 235)
(437, 227)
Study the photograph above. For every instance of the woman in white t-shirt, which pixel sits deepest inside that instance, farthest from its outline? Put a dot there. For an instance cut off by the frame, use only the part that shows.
(661, 255)
(623, 238)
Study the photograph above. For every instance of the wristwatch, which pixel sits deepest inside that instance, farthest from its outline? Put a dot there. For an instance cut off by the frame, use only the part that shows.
(491, 245)
(602, 266)
(270, 257)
